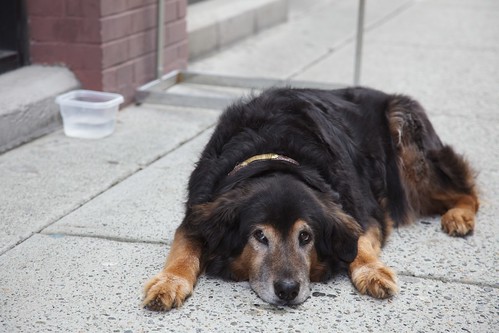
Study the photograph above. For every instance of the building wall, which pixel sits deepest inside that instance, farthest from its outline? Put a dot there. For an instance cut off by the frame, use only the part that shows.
(109, 44)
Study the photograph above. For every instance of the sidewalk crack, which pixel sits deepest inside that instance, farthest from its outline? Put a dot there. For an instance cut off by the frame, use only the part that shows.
(138, 167)
(446, 280)
(108, 238)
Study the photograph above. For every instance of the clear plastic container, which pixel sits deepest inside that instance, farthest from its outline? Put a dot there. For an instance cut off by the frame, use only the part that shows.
(89, 114)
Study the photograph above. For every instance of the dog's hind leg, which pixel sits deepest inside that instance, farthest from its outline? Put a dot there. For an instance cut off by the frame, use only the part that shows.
(460, 219)
(437, 180)
(369, 275)
(454, 188)
(176, 281)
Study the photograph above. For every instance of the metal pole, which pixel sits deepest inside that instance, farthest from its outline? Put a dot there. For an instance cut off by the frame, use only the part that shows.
(160, 39)
(358, 46)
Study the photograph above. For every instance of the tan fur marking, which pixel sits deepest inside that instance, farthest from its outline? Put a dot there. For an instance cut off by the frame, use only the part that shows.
(369, 275)
(175, 282)
(388, 226)
(459, 200)
(460, 219)
(318, 269)
(281, 258)
(241, 266)
(244, 266)
(298, 225)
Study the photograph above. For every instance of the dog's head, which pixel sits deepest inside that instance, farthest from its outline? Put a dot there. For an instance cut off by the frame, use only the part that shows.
(279, 232)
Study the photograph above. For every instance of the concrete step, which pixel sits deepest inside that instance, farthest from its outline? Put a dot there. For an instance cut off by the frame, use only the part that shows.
(214, 24)
(27, 103)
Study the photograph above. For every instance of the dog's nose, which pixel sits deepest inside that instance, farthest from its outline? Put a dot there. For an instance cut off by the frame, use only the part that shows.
(287, 290)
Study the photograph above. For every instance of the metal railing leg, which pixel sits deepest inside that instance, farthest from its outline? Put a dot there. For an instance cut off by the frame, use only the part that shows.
(359, 41)
(160, 39)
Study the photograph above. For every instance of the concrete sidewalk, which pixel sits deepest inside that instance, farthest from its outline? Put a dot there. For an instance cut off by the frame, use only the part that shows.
(85, 223)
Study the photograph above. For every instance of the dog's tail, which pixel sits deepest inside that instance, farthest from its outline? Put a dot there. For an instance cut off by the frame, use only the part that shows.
(412, 135)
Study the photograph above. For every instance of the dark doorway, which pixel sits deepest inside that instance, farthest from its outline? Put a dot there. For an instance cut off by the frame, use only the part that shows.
(13, 35)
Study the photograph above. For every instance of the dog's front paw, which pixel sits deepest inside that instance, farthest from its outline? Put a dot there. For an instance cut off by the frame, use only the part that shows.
(166, 291)
(458, 221)
(375, 279)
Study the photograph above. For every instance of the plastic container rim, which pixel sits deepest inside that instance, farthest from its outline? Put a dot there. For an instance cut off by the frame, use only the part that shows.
(67, 99)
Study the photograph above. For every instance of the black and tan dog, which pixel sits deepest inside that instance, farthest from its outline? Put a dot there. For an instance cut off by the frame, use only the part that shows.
(297, 183)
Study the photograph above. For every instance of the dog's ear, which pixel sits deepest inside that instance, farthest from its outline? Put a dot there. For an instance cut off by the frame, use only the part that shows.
(345, 236)
(213, 221)
(338, 235)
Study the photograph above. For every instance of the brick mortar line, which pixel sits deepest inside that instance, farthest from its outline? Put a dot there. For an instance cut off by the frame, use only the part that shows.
(116, 39)
(101, 16)
(128, 37)
(59, 42)
(172, 45)
(132, 60)
(101, 43)
(127, 11)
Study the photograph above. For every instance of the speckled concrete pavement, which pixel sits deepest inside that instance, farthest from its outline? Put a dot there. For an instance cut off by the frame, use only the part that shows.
(85, 223)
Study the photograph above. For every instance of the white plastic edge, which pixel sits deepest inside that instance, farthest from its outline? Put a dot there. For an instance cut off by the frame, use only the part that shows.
(67, 99)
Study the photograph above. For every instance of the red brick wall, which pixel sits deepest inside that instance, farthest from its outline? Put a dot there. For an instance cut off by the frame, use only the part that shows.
(109, 44)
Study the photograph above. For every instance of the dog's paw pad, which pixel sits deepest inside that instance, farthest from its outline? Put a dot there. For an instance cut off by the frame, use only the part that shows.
(166, 291)
(458, 221)
(375, 279)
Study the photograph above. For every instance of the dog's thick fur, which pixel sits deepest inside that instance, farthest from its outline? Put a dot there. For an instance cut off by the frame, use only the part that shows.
(354, 163)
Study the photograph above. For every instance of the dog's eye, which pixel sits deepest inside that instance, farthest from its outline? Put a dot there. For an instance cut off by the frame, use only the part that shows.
(304, 238)
(259, 236)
